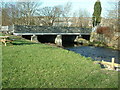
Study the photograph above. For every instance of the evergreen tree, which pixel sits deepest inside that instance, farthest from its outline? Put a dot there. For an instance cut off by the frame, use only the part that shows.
(97, 13)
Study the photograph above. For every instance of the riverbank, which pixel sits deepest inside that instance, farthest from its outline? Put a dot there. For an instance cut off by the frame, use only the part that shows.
(84, 42)
(33, 65)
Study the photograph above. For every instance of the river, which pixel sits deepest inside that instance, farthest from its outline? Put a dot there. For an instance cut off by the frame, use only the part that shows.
(97, 53)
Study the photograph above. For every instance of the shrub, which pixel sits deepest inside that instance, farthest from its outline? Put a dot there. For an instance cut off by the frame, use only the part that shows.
(104, 30)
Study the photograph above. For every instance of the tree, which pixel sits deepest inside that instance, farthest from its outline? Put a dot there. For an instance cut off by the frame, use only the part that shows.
(81, 18)
(0, 13)
(66, 12)
(113, 11)
(5, 14)
(112, 18)
(119, 15)
(27, 10)
(9, 13)
(50, 14)
(97, 13)
(21, 13)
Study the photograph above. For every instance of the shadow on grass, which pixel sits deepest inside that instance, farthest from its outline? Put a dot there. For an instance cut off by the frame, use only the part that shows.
(22, 42)
(28, 43)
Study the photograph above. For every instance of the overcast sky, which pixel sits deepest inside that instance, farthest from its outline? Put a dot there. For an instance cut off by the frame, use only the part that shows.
(77, 4)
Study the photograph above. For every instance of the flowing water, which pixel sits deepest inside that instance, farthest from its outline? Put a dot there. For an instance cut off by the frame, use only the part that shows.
(97, 53)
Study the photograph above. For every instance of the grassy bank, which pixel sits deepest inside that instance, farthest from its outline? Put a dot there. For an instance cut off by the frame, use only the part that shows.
(32, 65)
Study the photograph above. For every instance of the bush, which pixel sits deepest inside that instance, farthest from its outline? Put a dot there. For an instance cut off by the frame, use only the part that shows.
(104, 30)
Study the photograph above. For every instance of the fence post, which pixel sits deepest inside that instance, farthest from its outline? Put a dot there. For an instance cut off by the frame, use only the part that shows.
(113, 60)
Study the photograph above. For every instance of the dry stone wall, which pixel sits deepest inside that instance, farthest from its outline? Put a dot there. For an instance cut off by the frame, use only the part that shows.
(109, 41)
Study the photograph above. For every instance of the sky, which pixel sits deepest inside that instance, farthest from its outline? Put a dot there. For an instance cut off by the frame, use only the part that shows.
(77, 4)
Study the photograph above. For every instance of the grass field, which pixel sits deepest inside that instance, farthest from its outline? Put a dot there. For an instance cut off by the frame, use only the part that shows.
(32, 65)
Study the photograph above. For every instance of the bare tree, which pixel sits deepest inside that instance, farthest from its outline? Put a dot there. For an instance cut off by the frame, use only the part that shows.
(0, 13)
(112, 12)
(50, 14)
(5, 14)
(27, 10)
(9, 13)
(66, 12)
(81, 18)
(112, 16)
(19, 12)
(13, 13)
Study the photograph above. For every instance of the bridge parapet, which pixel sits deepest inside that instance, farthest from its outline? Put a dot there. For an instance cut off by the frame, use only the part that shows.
(49, 29)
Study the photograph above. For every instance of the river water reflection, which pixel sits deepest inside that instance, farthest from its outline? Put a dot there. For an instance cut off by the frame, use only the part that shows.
(97, 53)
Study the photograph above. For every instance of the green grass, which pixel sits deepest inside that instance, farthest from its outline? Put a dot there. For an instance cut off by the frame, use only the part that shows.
(32, 65)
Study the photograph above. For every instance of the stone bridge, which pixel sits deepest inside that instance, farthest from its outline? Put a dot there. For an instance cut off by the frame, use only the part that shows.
(53, 34)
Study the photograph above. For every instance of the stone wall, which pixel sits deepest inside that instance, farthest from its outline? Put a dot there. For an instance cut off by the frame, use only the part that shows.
(109, 41)
(49, 29)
